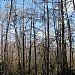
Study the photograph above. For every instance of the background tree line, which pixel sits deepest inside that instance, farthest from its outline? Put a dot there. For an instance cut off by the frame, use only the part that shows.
(37, 37)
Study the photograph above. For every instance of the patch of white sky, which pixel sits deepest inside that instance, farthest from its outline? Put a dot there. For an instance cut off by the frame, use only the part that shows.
(70, 7)
(70, 11)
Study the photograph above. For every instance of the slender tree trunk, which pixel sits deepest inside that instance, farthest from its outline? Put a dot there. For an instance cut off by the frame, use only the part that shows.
(44, 65)
(30, 47)
(17, 42)
(23, 43)
(47, 40)
(2, 57)
(63, 64)
(69, 36)
(18, 47)
(59, 26)
(64, 61)
(6, 44)
(57, 41)
(72, 59)
(74, 4)
(35, 47)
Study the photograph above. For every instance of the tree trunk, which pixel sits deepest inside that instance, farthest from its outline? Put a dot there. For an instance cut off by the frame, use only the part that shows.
(30, 47)
(35, 47)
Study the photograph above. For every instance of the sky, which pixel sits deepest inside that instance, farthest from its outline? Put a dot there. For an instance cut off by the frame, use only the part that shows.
(28, 4)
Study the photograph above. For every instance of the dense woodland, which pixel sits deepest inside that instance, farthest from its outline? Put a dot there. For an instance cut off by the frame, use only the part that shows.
(37, 37)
